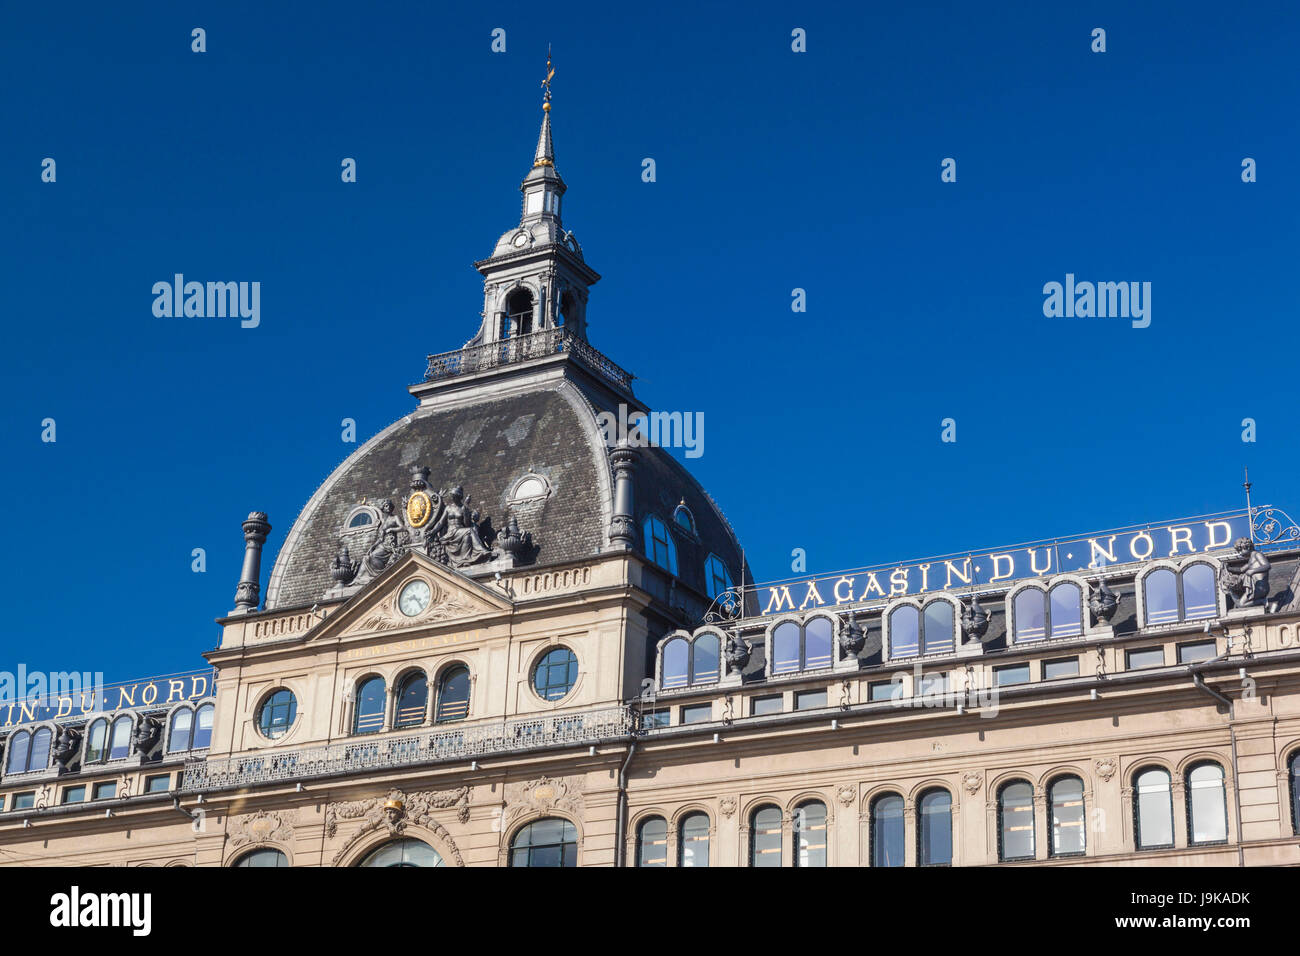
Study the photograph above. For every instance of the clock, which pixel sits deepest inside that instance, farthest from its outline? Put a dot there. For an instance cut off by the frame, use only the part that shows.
(520, 239)
(414, 598)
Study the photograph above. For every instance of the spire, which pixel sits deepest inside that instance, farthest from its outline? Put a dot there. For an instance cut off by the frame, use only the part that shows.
(545, 155)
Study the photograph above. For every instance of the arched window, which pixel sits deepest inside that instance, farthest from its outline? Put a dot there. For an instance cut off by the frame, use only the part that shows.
(934, 829)
(652, 842)
(519, 314)
(120, 739)
(1207, 804)
(693, 840)
(178, 734)
(453, 694)
(412, 700)
(912, 631)
(203, 727)
(404, 852)
(277, 714)
(765, 837)
(361, 519)
(19, 748)
(887, 830)
(682, 515)
(717, 579)
(370, 706)
(659, 546)
(1055, 613)
(1153, 809)
(96, 738)
(1293, 765)
(1188, 595)
(810, 834)
(705, 658)
(266, 856)
(551, 841)
(809, 647)
(1067, 825)
(676, 667)
(1016, 821)
(555, 674)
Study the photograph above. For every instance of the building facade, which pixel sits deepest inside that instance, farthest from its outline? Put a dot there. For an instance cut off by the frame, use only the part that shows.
(509, 631)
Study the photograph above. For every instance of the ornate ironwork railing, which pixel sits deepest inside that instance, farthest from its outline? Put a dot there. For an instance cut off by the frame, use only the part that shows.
(523, 348)
(457, 742)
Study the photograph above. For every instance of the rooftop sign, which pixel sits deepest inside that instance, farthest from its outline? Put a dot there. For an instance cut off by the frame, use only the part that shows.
(69, 696)
(1039, 559)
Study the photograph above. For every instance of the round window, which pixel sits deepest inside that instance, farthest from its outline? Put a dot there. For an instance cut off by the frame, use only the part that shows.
(555, 674)
(277, 714)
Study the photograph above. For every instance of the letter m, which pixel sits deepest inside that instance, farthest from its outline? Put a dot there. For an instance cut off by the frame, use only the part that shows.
(780, 597)
(223, 299)
(1112, 300)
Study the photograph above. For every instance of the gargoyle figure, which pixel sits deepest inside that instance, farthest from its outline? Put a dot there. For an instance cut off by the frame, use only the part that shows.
(1244, 575)
(1103, 603)
(453, 536)
(974, 621)
(147, 734)
(66, 746)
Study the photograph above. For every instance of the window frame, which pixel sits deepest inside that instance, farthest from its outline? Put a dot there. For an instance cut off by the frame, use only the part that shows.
(364, 681)
(1002, 822)
(921, 826)
(649, 525)
(543, 694)
(682, 839)
(417, 677)
(266, 702)
(923, 644)
(639, 848)
(1045, 590)
(873, 825)
(801, 625)
(1053, 852)
(1187, 796)
(1178, 569)
(754, 833)
(1138, 845)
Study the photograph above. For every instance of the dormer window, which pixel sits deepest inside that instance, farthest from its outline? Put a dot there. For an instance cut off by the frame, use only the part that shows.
(1171, 596)
(529, 488)
(659, 546)
(682, 515)
(1039, 613)
(361, 519)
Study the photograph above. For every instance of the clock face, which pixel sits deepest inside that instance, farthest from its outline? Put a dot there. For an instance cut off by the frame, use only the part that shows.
(521, 238)
(414, 598)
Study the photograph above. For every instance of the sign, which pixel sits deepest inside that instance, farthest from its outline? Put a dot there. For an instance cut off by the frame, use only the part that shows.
(984, 569)
(62, 703)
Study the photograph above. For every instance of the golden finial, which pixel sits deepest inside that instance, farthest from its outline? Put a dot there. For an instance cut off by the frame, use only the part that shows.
(546, 83)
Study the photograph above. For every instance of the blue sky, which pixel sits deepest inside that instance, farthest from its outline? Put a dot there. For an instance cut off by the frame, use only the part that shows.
(775, 170)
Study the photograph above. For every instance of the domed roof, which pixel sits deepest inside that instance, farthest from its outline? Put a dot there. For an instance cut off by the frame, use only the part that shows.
(535, 453)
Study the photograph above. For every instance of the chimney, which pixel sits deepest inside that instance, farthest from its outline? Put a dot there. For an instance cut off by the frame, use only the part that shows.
(248, 594)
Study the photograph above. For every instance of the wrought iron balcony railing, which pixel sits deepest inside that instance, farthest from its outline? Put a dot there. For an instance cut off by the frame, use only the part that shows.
(457, 742)
(523, 348)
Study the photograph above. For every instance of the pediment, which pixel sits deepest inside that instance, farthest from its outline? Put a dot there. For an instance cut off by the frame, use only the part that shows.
(452, 597)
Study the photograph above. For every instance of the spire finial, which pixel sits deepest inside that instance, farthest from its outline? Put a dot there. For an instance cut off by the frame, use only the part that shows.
(546, 83)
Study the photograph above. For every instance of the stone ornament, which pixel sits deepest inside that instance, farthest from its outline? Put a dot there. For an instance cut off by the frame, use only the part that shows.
(394, 812)
(971, 782)
(1106, 768)
(443, 605)
(1103, 603)
(974, 621)
(846, 793)
(263, 827)
(543, 794)
(1244, 575)
(727, 806)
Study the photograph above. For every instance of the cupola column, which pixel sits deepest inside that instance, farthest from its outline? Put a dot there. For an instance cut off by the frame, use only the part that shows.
(622, 527)
(249, 592)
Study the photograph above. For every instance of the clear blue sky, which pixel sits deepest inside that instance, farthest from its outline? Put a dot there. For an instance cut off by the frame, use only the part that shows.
(776, 170)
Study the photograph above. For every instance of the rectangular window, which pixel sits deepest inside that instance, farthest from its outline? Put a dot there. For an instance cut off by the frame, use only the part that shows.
(105, 790)
(766, 705)
(158, 783)
(1146, 657)
(932, 684)
(651, 719)
(1011, 674)
(74, 794)
(1061, 667)
(1195, 651)
(884, 690)
(809, 699)
(697, 714)
(25, 801)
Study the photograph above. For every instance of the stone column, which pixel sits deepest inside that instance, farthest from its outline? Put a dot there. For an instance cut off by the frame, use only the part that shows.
(248, 594)
(622, 527)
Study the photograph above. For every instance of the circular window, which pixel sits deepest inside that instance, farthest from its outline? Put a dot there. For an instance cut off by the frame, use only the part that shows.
(406, 852)
(277, 713)
(414, 598)
(555, 674)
